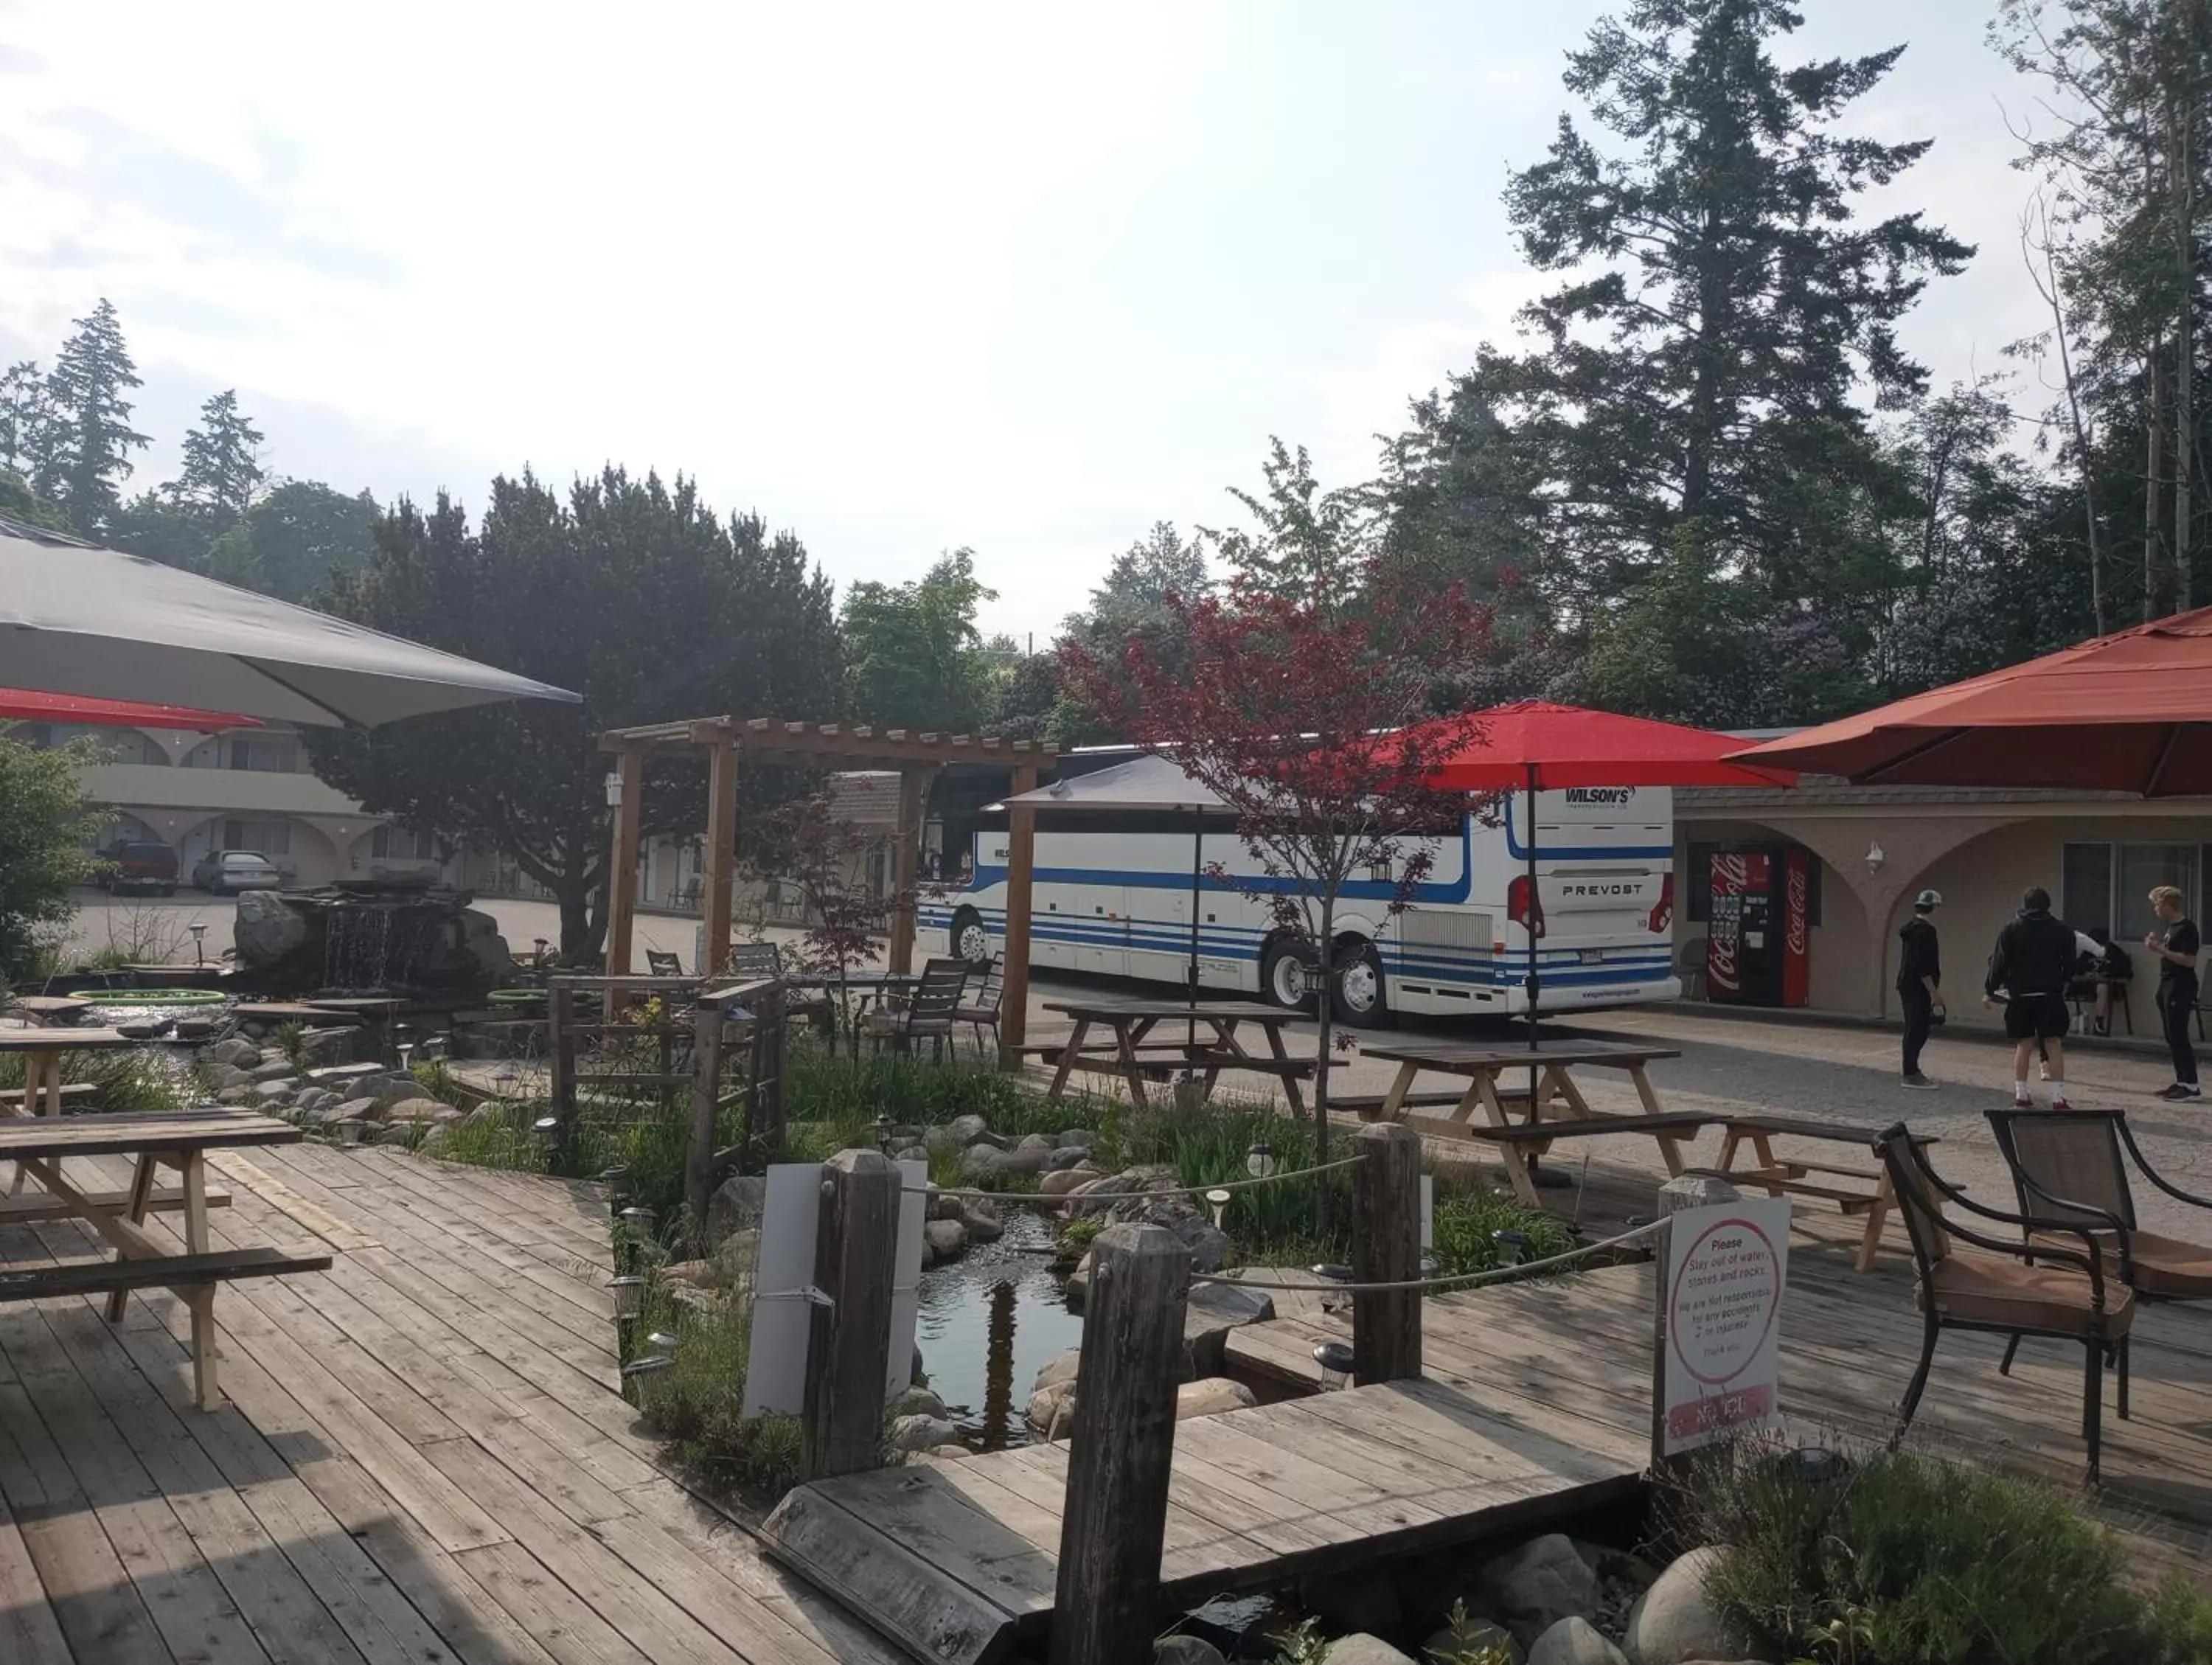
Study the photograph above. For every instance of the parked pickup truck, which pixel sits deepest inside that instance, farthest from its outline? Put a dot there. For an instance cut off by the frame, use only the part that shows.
(139, 868)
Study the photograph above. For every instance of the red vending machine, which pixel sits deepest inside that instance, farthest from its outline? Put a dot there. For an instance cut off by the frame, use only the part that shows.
(1760, 928)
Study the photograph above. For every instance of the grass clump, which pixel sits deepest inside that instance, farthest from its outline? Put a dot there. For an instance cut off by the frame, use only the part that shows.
(1908, 1559)
(698, 1404)
(1466, 1217)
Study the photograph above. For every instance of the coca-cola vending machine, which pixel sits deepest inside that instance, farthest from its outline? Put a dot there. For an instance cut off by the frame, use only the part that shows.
(1759, 930)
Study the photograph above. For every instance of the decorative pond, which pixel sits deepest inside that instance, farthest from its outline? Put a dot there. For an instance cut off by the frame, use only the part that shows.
(988, 1321)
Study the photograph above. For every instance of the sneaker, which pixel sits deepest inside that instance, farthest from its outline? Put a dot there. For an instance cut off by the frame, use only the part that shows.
(2023, 1103)
(2181, 1090)
(2059, 1102)
(2103, 1028)
(1917, 1079)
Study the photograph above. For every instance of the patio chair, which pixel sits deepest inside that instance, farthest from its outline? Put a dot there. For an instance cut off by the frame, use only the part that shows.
(755, 959)
(2019, 1288)
(929, 1015)
(2068, 1168)
(980, 1011)
(664, 965)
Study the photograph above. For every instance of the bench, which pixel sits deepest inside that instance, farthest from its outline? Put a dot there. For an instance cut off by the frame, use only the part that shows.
(1673, 1122)
(1368, 1106)
(29, 1210)
(1873, 1197)
(73, 1092)
(154, 1272)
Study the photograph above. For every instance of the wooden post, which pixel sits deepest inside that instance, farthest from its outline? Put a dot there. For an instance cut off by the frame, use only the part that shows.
(621, 858)
(706, 1111)
(1386, 1249)
(1021, 861)
(848, 1349)
(764, 1126)
(561, 1035)
(1682, 1192)
(906, 864)
(1113, 1522)
(721, 854)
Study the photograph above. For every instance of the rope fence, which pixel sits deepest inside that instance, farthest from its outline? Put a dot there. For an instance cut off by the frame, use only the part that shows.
(1461, 1279)
(1131, 1196)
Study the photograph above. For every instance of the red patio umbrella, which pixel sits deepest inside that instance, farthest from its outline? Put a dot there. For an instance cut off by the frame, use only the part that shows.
(2130, 712)
(26, 705)
(1536, 746)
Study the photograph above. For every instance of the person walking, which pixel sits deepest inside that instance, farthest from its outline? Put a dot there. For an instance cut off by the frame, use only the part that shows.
(2177, 947)
(2031, 966)
(1919, 981)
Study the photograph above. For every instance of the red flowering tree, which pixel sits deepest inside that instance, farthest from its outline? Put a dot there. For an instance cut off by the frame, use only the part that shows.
(1306, 703)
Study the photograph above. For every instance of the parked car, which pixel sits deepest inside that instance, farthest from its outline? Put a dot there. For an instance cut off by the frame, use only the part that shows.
(221, 872)
(139, 868)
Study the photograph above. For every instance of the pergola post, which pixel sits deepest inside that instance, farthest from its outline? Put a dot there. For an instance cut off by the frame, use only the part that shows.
(906, 863)
(1021, 859)
(621, 868)
(719, 894)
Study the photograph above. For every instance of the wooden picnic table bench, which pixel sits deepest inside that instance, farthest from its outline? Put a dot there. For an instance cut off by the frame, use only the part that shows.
(1210, 1045)
(1874, 1196)
(41, 1146)
(42, 1049)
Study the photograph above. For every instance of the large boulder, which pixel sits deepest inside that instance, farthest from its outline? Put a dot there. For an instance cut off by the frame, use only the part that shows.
(980, 1219)
(1210, 1311)
(1675, 1622)
(922, 1433)
(1060, 1367)
(274, 1069)
(1574, 1642)
(1047, 1407)
(1066, 1156)
(1361, 1649)
(268, 931)
(979, 1163)
(1211, 1397)
(737, 1206)
(1535, 1586)
(238, 1054)
(943, 1239)
(964, 1130)
(916, 1401)
(1082, 1136)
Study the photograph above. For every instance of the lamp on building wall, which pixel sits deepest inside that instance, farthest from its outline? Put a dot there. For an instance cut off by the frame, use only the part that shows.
(1874, 858)
(614, 790)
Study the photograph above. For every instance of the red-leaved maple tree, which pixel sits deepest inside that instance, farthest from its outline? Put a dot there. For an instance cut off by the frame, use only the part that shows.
(1300, 711)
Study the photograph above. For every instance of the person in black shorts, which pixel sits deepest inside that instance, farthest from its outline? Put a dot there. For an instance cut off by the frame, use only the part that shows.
(2175, 944)
(2032, 966)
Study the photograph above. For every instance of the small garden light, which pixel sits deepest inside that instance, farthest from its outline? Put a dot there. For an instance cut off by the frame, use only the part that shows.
(617, 1180)
(628, 1291)
(1217, 1200)
(1334, 1358)
(505, 1082)
(547, 1128)
(1815, 1465)
(635, 1374)
(1512, 1245)
(662, 1341)
(883, 1134)
(198, 929)
(1260, 1161)
(349, 1132)
(1335, 1275)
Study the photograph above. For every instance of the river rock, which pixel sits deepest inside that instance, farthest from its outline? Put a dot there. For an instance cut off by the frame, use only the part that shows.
(947, 1453)
(1210, 1311)
(911, 1154)
(322, 1048)
(1082, 1136)
(1361, 1649)
(919, 1433)
(399, 1132)
(966, 1130)
(274, 1093)
(273, 1069)
(1574, 1642)
(1674, 1623)
(916, 1401)
(944, 1238)
(1048, 1405)
(942, 1205)
(1187, 1651)
(1035, 1142)
(222, 1076)
(238, 1095)
(1360, 1600)
(939, 1137)
(1060, 1183)
(1478, 1634)
(1060, 1367)
(981, 1220)
(1067, 1157)
(238, 1054)
(1211, 1397)
(978, 1162)
(1207, 1242)
(736, 1206)
(1537, 1585)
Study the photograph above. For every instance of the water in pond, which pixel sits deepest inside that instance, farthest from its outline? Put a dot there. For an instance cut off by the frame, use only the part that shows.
(988, 1323)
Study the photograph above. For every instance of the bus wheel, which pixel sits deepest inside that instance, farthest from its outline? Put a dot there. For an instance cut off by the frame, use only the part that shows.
(970, 941)
(1283, 976)
(1356, 991)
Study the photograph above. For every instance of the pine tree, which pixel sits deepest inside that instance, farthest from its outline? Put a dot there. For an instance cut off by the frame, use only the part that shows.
(223, 473)
(25, 434)
(1725, 305)
(91, 420)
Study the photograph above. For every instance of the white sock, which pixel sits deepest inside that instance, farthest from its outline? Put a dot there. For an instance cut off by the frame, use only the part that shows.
(2019, 1089)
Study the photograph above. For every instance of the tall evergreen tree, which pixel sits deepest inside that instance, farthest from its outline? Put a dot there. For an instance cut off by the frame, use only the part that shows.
(223, 473)
(91, 420)
(1726, 305)
(26, 433)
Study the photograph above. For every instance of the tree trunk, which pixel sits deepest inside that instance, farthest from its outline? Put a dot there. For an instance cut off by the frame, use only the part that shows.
(582, 926)
(2153, 476)
(2183, 187)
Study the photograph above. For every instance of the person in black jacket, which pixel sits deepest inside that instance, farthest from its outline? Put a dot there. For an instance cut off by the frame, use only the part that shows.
(2176, 944)
(1919, 981)
(2032, 966)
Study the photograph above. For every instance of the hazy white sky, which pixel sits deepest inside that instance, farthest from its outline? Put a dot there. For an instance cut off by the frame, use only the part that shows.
(1026, 278)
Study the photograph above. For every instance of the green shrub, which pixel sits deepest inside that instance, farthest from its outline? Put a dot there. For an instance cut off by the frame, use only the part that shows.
(1466, 1217)
(698, 1405)
(1912, 1560)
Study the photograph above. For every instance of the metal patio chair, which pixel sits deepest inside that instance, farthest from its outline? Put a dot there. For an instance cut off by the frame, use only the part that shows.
(2070, 1169)
(929, 1015)
(2019, 1288)
(664, 965)
(980, 1011)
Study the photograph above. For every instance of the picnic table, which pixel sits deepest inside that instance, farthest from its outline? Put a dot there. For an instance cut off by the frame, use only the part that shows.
(39, 1147)
(1556, 1099)
(42, 1049)
(1874, 1196)
(1209, 1044)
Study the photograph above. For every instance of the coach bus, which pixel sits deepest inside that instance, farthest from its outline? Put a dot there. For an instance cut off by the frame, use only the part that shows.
(1112, 894)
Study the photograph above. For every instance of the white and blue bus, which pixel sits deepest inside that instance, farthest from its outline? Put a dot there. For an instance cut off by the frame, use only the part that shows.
(1112, 894)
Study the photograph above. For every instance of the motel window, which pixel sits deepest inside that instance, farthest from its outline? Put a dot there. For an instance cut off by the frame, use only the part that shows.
(269, 838)
(403, 844)
(2110, 884)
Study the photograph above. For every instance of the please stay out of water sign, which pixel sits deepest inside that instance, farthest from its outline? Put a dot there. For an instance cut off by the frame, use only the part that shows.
(1720, 1311)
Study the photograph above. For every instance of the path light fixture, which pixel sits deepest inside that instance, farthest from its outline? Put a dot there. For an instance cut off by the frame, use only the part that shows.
(547, 1130)
(617, 1180)
(662, 1341)
(1814, 1465)
(1512, 1245)
(1334, 1358)
(198, 929)
(541, 944)
(1217, 1200)
(635, 1231)
(883, 1134)
(1260, 1161)
(638, 1371)
(350, 1130)
(1334, 1275)
(628, 1291)
(505, 1082)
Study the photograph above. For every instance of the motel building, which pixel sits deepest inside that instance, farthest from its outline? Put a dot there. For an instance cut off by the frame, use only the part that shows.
(1860, 855)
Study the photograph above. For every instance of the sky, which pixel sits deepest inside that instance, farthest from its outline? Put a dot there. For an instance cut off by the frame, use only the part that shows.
(1022, 278)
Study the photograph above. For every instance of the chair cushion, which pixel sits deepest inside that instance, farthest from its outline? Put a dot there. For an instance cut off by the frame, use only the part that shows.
(1980, 1289)
(2171, 1268)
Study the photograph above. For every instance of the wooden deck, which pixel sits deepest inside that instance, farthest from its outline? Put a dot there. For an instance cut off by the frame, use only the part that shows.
(1572, 1356)
(424, 1460)
(959, 1559)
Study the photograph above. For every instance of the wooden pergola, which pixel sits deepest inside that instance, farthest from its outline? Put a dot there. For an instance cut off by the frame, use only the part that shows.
(726, 742)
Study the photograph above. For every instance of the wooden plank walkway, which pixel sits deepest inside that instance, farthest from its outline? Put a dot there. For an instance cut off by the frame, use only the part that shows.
(959, 1559)
(425, 1459)
(1575, 1354)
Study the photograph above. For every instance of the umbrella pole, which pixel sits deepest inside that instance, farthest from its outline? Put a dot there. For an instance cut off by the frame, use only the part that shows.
(1535, 982)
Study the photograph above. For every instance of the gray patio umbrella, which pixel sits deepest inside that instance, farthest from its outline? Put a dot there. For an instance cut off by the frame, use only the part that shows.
(1148, 784)
(78, 619)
